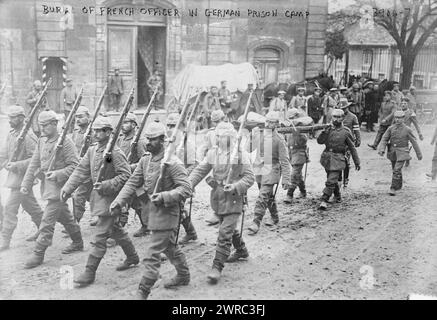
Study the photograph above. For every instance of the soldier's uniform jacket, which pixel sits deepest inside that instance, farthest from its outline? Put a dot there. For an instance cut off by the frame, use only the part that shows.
(66, 161)
(351, 122)
(174, 187)
(6, 153)
(357, 97)
(329, 102)
(116, 85)
(209, 141)
(242, 178)
(272, 157)
(297, 146)
(297, 102)
(78, 137)
(410, 118)
(124, 142)
(387, 111)
(396, 138)
(31, 99)
(315, 109)
(67, 98)
(278, 104)
(117, 173)
(336, 141)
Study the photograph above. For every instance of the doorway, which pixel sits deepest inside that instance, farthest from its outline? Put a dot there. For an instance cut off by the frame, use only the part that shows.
(54, 70)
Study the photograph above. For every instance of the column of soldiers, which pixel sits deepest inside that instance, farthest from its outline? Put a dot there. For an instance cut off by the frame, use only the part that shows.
(167, 182)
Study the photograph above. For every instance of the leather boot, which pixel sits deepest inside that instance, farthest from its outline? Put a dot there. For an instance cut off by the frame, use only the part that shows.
(144, 288)
(289, 197)
(337, 194)
(190, 232)
(214, 275)
(37, 257)
(323, 205)
(76, 245)
(239, 254)
(303, 191)
(178, 280)
(89, 275)
(132, 258)
(141, 232)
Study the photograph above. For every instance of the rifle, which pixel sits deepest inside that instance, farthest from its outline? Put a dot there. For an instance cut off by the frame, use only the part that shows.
(87, 136)
(133, 152)
(170, 147)
(302, 129)
(65, 127)
(234, 156)
(28, 125)
(107, 154)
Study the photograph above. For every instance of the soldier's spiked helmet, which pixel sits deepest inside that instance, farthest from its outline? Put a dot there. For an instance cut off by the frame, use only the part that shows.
(15, 111)
(102, 122)
(47, 116)
(155, 129)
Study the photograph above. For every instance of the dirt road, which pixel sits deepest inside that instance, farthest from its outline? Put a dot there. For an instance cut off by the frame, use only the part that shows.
(370, 246)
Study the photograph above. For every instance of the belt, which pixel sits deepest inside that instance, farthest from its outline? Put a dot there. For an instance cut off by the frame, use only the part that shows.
(334, 151)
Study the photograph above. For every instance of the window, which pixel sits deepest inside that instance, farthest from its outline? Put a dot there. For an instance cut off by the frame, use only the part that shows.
(381, 76)
(120, 48)
(268, 62)
(418, 80)
(367, 57)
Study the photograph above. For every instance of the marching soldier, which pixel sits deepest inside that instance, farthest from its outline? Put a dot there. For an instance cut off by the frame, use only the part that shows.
(299, 100)
(397, 138)
(397, 95)
(410, 116)
(217, 117)
(163, 208)
(226, 199)
(16, 170)
(172, 120)
(31, 99)
(370, 105)
(356, 95)
(351, 122)
(337, 140)
(117, 173)
(388, 107)
(412, 98)
(268, 170)
(298, 151)
(52, 182)
(315, 110)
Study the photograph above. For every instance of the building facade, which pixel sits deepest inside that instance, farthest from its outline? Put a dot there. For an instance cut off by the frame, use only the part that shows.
(86, 39)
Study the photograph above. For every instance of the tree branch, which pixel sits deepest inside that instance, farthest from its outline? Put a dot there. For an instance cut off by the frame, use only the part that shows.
(419, 44)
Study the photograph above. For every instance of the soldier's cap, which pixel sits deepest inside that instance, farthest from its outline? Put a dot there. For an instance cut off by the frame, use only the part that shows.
(273, 116)
(344, 103)
(300, 89)
(225, 129)
(82, 110)
(154, 130)
(291, 113)
(412, 88)
(388, 92)
(405, 99)
(399, 114)
(337, 112)
(217, 115)
(281, 92)
(102, 122)
(15, 111)
(47, 116)
(173, 118)
(333, 89)
(131, 117)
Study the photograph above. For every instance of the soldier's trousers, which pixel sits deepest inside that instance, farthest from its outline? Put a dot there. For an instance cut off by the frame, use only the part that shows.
(108, 228)
(297, 178)
(265, 201)
(228, 235)
(163, 241)
(381, 130)
(80, 197)
(434, 164)
(29, 204)
(396, 181)
(331, 184)
(56, 211)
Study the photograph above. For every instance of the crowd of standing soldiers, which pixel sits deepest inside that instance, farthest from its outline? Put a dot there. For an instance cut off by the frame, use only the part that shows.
(158, 183)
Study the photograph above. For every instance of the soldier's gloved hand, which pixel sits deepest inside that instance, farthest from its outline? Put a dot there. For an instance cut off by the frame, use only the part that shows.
(421, 136)
(381, 153)
(115, 208)
(51, 175)
(157, 199)
(286, 186)
(64, 195)
(24, 190)
(229, 188)
(12, 166)
(357, 167)
(99, 188)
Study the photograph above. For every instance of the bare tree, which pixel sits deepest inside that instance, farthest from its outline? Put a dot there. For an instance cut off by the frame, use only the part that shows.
(410, 23)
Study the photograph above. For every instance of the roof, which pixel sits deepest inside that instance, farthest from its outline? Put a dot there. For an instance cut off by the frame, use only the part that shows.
(377, 36)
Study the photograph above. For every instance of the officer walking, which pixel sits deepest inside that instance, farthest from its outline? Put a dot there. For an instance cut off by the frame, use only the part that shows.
(298, 151)
(226, 199)
(337, 139)
(52, 182)
(272, 161)
(16, 170)
(104, 192)
(398, 136)
(163, 208)
(315, 110)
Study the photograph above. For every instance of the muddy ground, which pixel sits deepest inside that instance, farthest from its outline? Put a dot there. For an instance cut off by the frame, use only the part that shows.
(370, 246)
